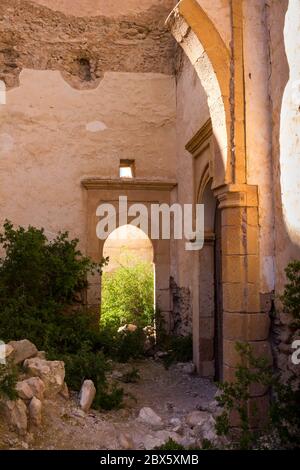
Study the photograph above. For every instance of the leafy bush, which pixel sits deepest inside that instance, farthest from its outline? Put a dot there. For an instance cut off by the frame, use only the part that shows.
(132, 376)
(109, 398)
(38, 270)
(283, 421)
(40, 284)
(171, 445)
(8, 380)
(179, 348)
(128, 296)
(291, 295)
(282, 424)
(84, 365)
(92, 365)
(122, 346)
(235, 395)
(39, 280)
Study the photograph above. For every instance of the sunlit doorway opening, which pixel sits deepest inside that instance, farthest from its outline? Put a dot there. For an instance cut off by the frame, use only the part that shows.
(128, 281)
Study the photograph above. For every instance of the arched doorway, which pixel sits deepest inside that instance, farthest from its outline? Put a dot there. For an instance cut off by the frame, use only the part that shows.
(101, 191)
(242, 305)
(128, 280)
(208, 334)
(218, 312)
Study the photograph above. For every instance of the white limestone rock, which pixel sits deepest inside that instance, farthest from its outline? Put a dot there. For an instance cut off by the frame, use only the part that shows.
(196, 418)
(23, 349)
(65, 391)
(35, 412)
(87, 395)
(15, 412)
(52, 373)
(149, 417)
(29, 388)
(6, 351)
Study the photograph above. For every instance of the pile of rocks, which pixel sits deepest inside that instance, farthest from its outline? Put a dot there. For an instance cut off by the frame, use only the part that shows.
(38, 381)
(190, 430)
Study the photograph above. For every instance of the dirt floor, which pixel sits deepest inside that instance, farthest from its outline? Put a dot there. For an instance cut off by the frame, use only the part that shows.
(171, 393)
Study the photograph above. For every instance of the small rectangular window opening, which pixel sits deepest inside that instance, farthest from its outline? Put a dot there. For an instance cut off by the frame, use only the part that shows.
(126, 169)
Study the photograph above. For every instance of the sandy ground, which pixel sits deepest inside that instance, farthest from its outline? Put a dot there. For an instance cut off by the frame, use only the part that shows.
(170, 393)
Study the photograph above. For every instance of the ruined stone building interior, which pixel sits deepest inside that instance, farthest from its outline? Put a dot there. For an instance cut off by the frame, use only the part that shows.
(190, 102)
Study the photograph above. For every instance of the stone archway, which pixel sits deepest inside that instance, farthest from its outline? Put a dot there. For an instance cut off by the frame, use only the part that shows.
(210, 57)
(147, 192)
(221, 73)
(207, 298)
(131, 260)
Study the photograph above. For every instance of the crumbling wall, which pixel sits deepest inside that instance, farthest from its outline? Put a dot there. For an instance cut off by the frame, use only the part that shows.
(83, 92)
(220, 14)
(109, 8)
(285, 162)
(52, 136)
(182, 315)
(192, 113)
(82, 48)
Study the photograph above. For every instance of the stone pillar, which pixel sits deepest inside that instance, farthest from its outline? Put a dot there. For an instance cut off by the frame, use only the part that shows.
(243, 316)
(204, 331)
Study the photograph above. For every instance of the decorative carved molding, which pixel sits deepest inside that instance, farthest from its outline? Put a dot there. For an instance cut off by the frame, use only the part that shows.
(196, 142)
(237, 195)
(130, 183)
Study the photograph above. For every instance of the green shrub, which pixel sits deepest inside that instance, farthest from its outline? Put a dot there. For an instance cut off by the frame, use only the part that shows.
(291, 295)
(130, 345)
(85, 365)
(39, 281)
(179, 348)
(171, 445)
(283, 420)
(235, 395)
(93, 366)
(109, 399)
(8, 380)
(40, 285)
(128, 296)
(40, 270)
(132, 376)
(121, 347)
(284, 412)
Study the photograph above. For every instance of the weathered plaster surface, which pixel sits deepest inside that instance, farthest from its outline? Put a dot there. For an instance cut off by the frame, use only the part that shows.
(48, 148)
(127, 245)
(259, 131)
(283, 22)
(110, 8)
(290, 126)
(181, 321)
(33, 36)
(285, 127)
(219, 12)
(192, 113)
(211, 62)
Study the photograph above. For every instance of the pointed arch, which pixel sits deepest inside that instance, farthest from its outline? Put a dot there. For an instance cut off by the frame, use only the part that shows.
(202, 43)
